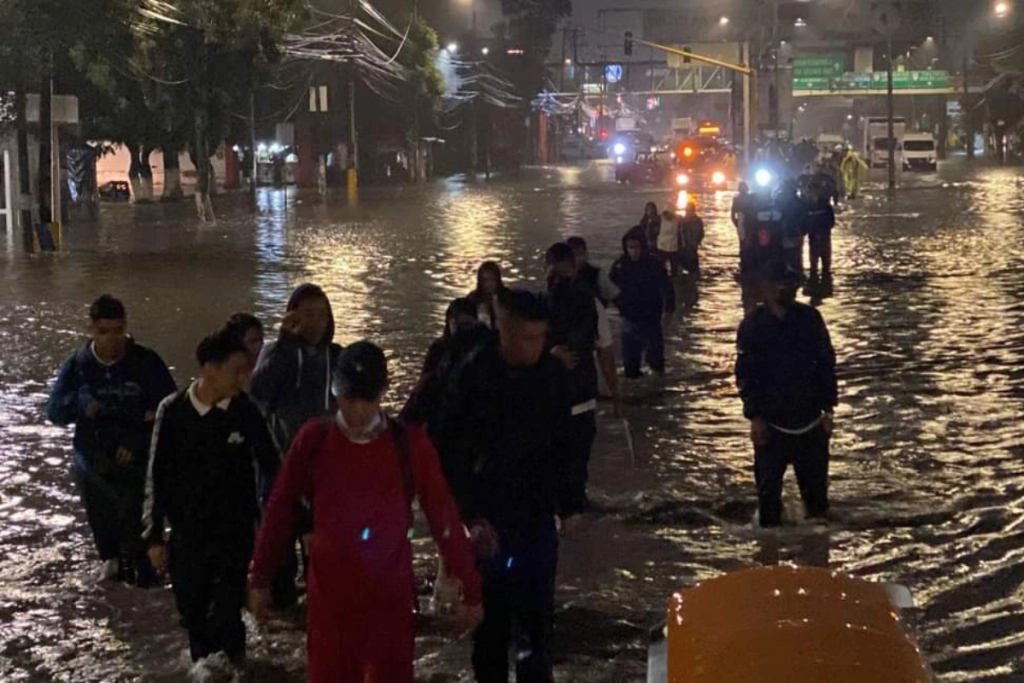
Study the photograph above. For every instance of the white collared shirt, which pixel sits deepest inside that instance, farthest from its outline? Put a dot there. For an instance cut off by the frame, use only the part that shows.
(201, 407)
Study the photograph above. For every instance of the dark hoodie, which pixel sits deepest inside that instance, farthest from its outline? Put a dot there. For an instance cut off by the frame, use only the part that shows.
(292, 380)
(647, 292)
(127, 390)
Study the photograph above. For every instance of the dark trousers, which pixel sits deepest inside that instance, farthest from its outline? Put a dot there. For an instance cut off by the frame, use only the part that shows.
(639, 338)
(689, 260)
(519, 595)
(114, 512)
(209, 582)
(821, 250)
(809, 455)
(577, 462)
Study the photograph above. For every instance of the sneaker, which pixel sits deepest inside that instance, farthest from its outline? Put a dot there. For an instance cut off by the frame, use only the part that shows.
(108, 570)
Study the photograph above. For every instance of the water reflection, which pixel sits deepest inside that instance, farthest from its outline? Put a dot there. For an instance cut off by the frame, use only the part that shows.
(928, 479)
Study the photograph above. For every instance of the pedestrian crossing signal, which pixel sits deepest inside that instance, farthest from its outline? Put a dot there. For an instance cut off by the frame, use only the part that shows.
(629, 43)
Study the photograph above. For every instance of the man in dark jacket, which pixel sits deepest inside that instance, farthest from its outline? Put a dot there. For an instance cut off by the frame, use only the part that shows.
(110, 389)
(292, 385)
(691, 230)
(820, 220)
(647, 295)
(503, 437)
(209, 441)
(573, 340)
(743, 220)
(786, 372)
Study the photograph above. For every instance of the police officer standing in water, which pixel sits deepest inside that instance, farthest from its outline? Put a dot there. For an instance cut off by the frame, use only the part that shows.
(786, 371)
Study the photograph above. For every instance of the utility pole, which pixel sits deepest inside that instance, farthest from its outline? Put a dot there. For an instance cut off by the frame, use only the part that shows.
(891, 103)
(966, 106)
(252, 145)
(24, 173)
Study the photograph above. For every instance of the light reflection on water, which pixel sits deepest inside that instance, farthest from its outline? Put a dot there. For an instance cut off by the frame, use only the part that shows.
(928, 478)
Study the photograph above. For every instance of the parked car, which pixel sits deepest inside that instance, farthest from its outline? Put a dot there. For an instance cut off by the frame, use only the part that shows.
(787, 624)
(115, 191)
(646, 168)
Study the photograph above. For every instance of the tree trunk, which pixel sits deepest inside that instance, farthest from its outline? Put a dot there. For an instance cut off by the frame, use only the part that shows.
(145, 173)
(204, 206)
(172, 177)
(24, 172)
(135, 172)
(44, 178)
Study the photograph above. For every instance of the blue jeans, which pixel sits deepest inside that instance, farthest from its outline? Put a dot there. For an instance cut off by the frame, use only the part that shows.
(639, 338)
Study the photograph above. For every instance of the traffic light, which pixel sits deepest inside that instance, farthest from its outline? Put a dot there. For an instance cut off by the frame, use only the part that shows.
(629, 43)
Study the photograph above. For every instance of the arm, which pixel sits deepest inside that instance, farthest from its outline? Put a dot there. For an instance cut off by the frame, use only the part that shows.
(749, 372)
(264, 450)
(294, 482)
(826, 368)
(609, 290)
(161, 384)
(442, 514)
(275, 365)
(158, 478)
(62, 408)
(606, 355)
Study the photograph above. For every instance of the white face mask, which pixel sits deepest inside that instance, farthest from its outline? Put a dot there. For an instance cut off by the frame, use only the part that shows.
(372, 430)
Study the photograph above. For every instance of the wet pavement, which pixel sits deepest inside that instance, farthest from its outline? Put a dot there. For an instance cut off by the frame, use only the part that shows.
(928, 473)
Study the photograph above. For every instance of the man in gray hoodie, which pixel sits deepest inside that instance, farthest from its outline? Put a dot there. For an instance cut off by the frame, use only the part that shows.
(292, 385)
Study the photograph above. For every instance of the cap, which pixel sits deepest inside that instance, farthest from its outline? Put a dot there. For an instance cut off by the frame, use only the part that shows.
(780, 271)
(362, 372)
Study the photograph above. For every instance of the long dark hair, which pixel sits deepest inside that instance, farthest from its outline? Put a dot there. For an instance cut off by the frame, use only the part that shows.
(488, 267)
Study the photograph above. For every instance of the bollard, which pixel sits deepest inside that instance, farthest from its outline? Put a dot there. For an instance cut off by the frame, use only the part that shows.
(352, 177)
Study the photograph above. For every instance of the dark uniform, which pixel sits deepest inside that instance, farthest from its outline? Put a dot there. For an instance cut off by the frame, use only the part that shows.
(202, 478)
(786, 371)
(503, 438)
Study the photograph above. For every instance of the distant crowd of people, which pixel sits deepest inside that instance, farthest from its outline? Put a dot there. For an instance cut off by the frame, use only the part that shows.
(277, 466)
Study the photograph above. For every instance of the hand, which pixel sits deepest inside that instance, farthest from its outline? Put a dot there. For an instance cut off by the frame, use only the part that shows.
(468, 617)
(259, 604)
(484, 540)
(566, 356)
(292, 323)
(124, 456)
(158, 558)
(759, 432)
(828, 423)
(93, 409)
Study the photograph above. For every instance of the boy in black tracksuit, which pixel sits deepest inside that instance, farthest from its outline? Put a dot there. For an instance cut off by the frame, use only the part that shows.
(110, 389)
(207, 442)
(786, 371)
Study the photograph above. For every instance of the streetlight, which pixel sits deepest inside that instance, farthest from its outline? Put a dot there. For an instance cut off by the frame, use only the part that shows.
(484, 51)
(724, 21)
(452, 48)
(800, 23)
(1001, 9)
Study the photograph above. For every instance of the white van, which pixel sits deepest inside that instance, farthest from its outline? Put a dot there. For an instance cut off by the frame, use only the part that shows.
(876, 141)
(919, 153)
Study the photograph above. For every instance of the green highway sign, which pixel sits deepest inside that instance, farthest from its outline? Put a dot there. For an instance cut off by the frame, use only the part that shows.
(819, 66)
(875, 80)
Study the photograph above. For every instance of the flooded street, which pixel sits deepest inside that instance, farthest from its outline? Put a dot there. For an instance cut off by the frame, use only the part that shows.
(927, 319)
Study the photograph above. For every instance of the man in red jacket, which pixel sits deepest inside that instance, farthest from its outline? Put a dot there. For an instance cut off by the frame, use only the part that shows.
(361, 470)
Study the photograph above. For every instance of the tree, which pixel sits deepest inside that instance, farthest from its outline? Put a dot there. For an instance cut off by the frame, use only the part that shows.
(214, 53)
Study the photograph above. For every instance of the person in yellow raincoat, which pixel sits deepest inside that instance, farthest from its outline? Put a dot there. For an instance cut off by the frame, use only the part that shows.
(851, 167)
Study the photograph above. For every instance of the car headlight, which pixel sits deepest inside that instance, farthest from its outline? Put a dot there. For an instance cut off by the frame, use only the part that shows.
(682, 179)
(718, 178)
(619, 149)
(618, 160)
(763, 177)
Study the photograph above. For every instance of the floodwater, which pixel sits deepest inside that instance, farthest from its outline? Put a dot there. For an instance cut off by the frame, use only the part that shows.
(928, 478)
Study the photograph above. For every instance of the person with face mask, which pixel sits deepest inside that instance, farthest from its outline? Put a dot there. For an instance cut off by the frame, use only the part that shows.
(504, 436)
(291, 385)
(110, 389)
(362, 469)
(786, 373)
(209, 441)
